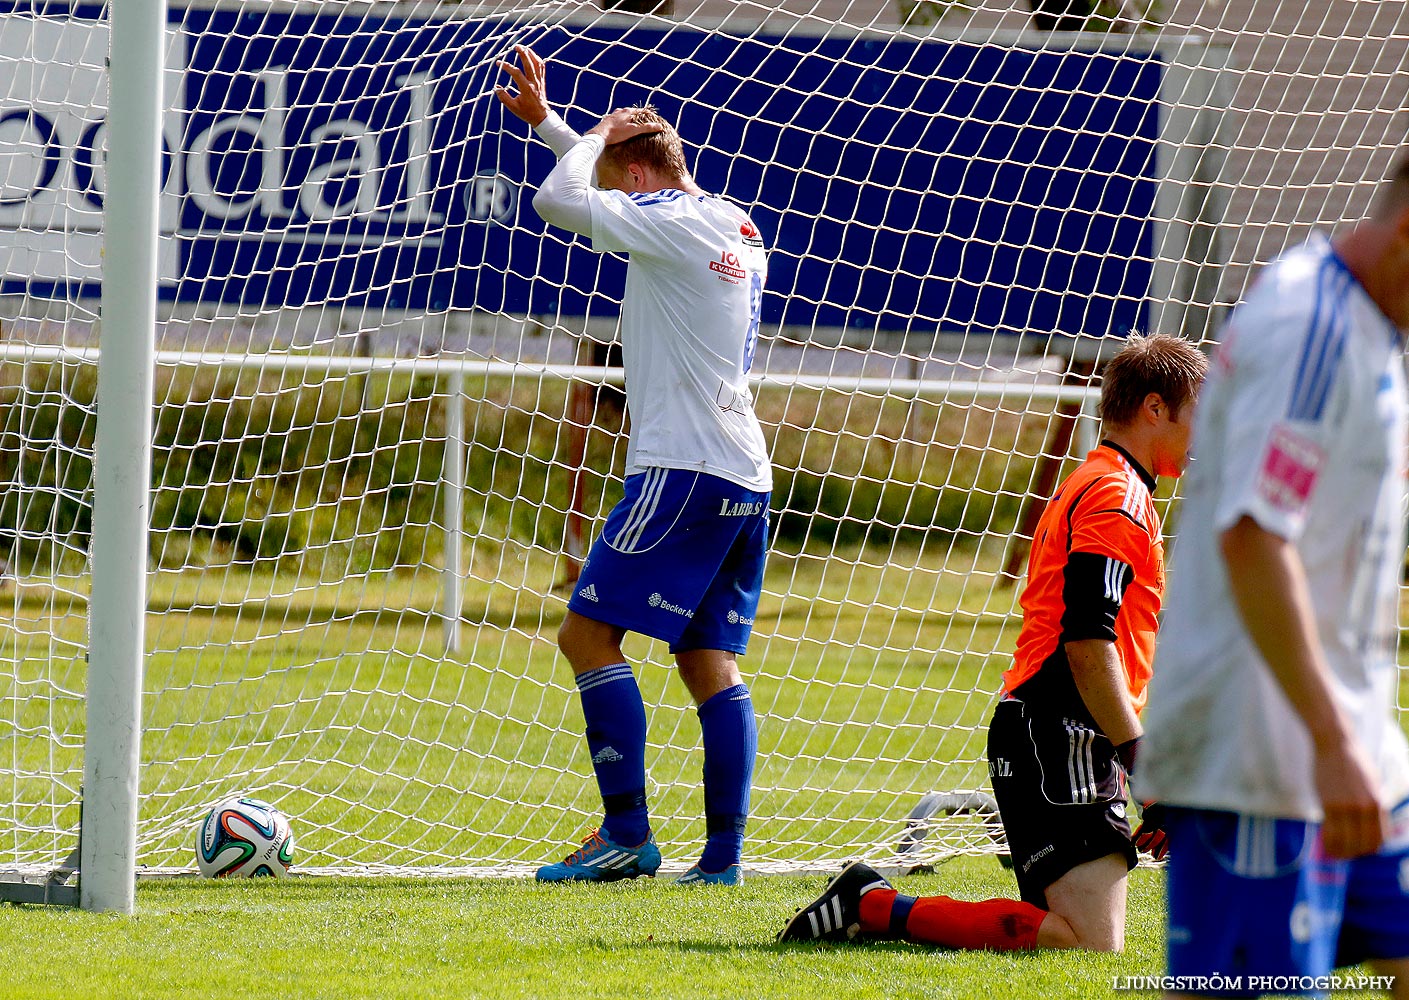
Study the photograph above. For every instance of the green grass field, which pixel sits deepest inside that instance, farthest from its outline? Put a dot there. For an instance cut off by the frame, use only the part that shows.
(872, 675)
(400, 939)
(872, 681)
(334, 939)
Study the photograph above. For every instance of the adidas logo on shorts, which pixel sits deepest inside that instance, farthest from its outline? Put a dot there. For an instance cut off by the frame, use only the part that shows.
(588, 593)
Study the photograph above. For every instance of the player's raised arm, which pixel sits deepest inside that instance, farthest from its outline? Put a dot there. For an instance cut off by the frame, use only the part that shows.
(529, 101)
(565, 198)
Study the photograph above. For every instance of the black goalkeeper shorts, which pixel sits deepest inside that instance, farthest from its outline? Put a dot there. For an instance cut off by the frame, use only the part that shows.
(1061, 794)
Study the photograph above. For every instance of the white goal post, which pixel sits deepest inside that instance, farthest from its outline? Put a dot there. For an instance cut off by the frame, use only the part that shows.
(381, 423)
(123, 449)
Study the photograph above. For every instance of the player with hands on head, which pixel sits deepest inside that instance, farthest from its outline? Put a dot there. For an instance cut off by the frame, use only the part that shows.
(1066, 735)
(1274, 736)
(681, 557)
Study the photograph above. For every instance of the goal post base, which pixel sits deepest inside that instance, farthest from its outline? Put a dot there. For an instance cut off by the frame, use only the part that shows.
(42, 888)
(935, 806)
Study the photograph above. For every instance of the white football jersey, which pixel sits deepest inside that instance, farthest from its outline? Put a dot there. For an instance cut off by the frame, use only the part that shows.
(689, 326)
(1301, 426)
(689, 320)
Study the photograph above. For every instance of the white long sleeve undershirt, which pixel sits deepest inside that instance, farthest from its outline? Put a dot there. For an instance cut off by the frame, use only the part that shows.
(557, 133)
(564, 199)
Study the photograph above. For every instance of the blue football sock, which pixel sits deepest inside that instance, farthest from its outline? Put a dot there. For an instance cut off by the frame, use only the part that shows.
(616, 736)
(730, 745)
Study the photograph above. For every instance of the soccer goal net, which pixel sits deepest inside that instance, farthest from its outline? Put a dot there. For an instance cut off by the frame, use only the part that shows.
(387, 417)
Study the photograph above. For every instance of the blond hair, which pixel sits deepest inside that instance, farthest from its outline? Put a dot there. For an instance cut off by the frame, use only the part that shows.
(661, 151)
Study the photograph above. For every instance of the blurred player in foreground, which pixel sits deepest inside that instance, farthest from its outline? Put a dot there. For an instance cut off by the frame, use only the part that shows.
(1065, 735)
(1273, 734)
(681, 556)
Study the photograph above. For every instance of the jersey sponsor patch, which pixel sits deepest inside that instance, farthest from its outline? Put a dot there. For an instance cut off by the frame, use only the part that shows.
(1289, 470)
(728, 267)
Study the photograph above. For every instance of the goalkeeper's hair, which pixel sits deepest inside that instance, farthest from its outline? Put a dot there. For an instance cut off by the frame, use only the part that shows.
(660, 150)
(1170, 366)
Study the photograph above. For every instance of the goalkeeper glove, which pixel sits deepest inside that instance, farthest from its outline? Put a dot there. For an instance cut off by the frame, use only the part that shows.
(1151, 836)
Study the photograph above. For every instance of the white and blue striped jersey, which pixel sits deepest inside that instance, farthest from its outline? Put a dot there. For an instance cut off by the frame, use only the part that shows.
(1301, 426)
(689, 316)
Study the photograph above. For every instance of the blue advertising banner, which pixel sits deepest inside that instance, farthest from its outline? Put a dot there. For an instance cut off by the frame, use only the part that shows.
(902, 184)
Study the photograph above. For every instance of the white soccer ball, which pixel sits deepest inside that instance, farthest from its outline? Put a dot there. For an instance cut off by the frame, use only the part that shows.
(243, 837)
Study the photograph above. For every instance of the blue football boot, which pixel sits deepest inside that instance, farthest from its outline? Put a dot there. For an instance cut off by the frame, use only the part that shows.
(601, 860)
(733, 875)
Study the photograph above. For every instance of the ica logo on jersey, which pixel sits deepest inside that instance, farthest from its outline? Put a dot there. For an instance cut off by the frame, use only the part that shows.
(729, 267)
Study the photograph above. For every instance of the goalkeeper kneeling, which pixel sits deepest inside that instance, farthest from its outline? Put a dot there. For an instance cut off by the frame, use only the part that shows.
(1065, 735)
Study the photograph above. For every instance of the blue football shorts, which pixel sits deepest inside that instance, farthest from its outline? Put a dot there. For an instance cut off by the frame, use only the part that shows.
(680, 559)
(1376, 923)
(1251, 897)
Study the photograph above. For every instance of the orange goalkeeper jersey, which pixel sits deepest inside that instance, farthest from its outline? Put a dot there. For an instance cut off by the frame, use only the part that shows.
(1096, 571)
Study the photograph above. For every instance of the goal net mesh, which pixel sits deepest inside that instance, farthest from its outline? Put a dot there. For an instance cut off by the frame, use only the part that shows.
(388, 421)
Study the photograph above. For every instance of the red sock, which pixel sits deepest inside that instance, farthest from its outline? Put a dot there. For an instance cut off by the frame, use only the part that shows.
(995, 924)
(875, 911)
